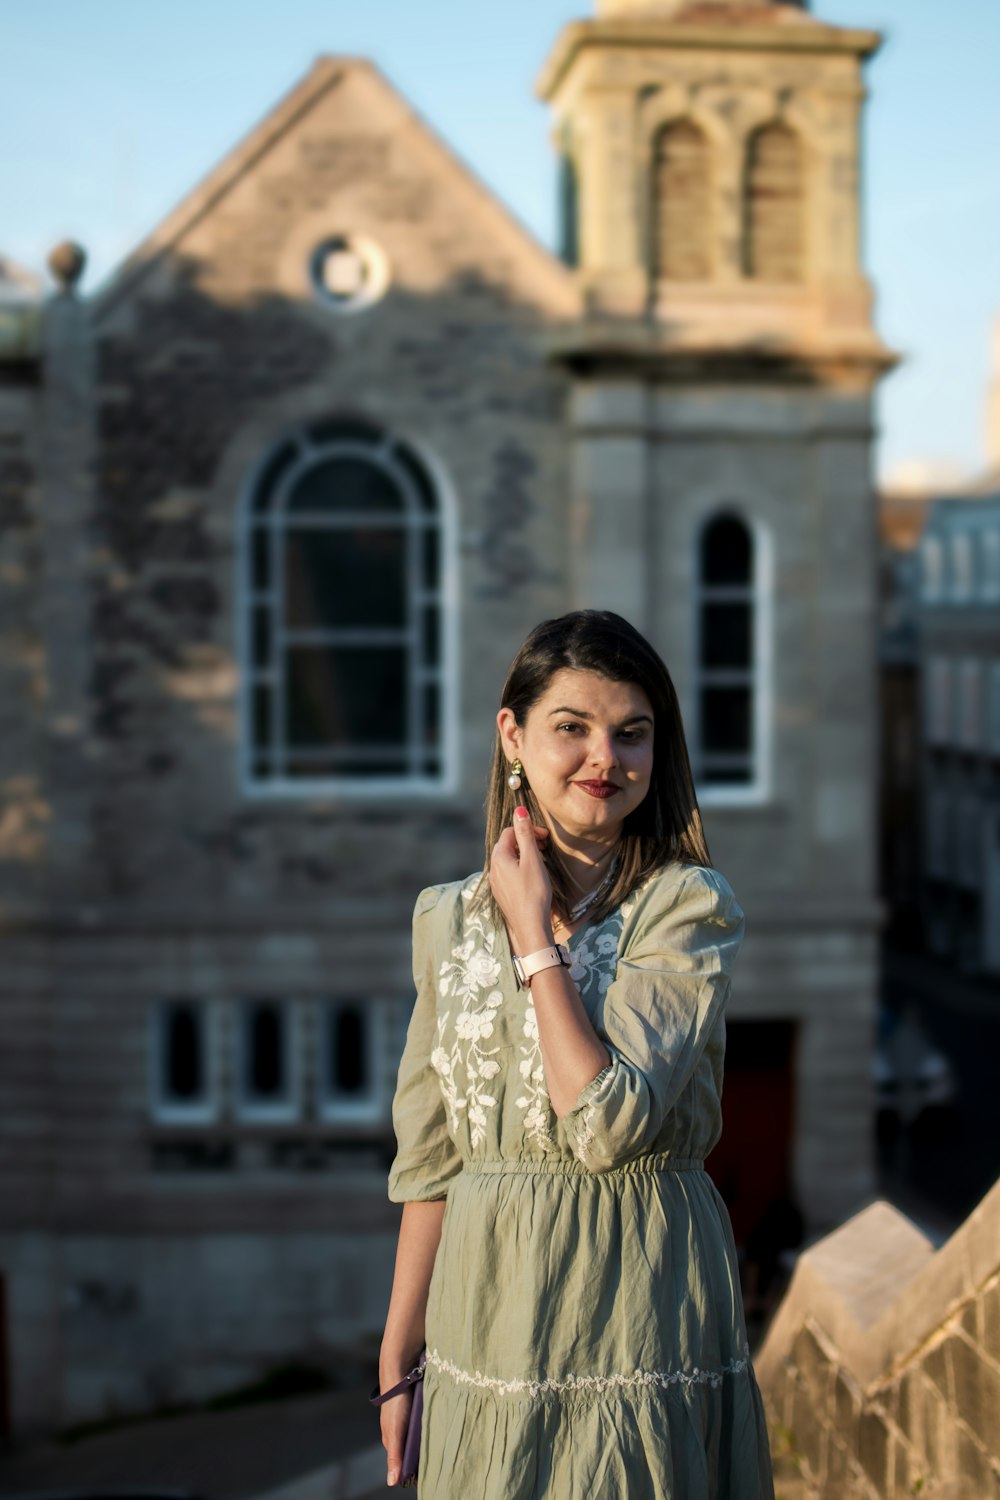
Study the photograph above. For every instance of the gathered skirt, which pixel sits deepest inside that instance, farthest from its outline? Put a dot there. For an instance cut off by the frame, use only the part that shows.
(585, 1336)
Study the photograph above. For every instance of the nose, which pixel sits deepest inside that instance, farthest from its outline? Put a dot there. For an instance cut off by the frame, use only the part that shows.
(603, 751)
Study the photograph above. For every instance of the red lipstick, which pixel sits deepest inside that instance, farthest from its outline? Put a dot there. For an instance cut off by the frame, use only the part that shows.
(600, 789)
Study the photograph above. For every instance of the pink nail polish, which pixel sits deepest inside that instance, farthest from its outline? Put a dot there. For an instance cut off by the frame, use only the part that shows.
(520, 812)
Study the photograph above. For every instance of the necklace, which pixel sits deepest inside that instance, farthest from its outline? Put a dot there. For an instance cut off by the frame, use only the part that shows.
(587, 901)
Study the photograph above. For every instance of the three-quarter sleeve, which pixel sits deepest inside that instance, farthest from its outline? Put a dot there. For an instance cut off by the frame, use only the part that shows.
(426, 1156)
(657, 1016)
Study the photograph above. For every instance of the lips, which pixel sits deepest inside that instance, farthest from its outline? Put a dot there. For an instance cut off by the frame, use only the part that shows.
(599, 789)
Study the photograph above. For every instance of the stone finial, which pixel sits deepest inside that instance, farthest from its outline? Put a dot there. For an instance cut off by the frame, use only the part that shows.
(66, 262)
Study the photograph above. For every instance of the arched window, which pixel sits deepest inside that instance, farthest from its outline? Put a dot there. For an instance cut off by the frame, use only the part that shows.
(344, 634)
(726, 751)
(774, 206)
(681, 200)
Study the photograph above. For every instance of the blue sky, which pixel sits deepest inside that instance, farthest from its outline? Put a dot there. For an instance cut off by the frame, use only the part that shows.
(112, 110)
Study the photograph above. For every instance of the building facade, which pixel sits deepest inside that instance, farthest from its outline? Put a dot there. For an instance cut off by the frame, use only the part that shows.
(279, 505)
(959, 670)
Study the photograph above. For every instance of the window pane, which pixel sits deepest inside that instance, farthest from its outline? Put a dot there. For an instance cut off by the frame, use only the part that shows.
(725, 719)
(346, 696)
(348, 1058)
(261, 558)
(182, 1054)
(345, 578)
(262, 636)
(355, 766)
(726, 552)
(726, 635)
(262, 715)
(338, 484)
(432, 715)
(737, 773)
(265, 1051)
(432, 636)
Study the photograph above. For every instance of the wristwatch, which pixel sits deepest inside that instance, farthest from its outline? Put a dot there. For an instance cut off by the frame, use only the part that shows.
(542, 958)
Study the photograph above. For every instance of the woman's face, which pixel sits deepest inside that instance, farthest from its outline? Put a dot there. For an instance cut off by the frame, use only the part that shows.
(587, 750)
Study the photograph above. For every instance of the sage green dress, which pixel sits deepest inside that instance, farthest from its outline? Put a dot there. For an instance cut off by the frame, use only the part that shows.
(585, 1330)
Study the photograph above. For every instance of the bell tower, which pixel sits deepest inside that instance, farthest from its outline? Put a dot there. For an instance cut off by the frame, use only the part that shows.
(710, 157)
(722, 367)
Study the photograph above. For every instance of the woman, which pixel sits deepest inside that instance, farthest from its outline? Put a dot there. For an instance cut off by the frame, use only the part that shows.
(562, 1251)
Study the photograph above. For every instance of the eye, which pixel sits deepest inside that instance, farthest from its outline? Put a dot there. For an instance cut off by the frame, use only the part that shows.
(570, 724)
(633, 735)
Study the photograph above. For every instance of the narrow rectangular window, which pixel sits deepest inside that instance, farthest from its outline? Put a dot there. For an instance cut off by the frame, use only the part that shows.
(182, 1062)
(268, 1072)
(352, 1051)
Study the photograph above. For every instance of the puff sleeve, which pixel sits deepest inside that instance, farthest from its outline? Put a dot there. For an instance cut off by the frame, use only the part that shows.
(657, 1016)
(426, 1156)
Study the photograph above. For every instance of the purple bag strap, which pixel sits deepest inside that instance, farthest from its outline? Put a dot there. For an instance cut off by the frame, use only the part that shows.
(417, 1373)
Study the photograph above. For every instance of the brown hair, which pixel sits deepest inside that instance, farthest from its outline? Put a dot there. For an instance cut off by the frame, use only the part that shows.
(666, 826)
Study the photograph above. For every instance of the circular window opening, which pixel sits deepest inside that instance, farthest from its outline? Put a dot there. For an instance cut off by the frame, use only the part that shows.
(349, 272)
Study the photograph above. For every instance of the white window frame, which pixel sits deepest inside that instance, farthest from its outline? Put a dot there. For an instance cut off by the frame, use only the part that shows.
(969, 725)
(931, 570)
(962, 566)
(206, 1109)
(373, 1107)
(445, 675)
(989, 575)
(938, 702)
(760, 594)
(249, 1110)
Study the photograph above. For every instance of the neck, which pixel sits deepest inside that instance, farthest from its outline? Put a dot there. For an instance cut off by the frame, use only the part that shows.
(585, 857)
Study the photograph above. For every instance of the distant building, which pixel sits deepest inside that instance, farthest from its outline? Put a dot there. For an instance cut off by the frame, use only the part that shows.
(959, 665)
(278, 506)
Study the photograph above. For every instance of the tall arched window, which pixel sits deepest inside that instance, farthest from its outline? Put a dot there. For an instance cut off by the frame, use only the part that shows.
(726, 750)
(681, 203)
(774, 206)
(345, 646)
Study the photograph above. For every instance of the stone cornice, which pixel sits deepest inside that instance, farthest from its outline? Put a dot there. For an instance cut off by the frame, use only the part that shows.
(800, 37)
(645, 352)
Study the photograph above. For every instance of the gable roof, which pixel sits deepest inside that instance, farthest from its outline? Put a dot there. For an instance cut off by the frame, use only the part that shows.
(324, 76)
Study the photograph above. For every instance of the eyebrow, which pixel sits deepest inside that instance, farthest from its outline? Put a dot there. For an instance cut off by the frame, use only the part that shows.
(581, 713)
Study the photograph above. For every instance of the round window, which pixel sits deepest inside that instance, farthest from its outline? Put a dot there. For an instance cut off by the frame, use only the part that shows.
(349, 272)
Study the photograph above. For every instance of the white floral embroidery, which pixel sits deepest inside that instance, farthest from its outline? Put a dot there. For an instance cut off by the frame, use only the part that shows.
(469, 979)
(535, 1388)
(534, 1099)
(596, 957)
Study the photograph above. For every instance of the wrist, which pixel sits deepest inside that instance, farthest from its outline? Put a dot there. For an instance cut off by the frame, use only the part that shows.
(532, 938)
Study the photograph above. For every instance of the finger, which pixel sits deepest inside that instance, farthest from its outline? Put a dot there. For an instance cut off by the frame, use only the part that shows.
(524, 832)
(506, 846)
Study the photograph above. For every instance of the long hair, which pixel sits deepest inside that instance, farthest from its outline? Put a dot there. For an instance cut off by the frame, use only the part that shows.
(666, 826)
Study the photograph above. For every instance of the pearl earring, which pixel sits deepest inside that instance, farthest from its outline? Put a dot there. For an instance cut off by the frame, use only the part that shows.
(514, 779)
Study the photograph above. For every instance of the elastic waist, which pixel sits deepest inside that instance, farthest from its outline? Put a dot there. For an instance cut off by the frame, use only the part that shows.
(568, 1166)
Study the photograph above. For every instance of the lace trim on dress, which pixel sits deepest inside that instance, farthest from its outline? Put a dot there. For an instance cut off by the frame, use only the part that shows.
(638, 1378)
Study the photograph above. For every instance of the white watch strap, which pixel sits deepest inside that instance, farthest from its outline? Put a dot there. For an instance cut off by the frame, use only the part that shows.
(543, 958)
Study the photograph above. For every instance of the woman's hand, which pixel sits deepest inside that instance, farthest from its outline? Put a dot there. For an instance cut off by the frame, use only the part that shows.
(520, 883)
(394, 1416)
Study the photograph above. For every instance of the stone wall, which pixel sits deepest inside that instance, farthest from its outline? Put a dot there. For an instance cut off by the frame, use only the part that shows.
(881, 1370)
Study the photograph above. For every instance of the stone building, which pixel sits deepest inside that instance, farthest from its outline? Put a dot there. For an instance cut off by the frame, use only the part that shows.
(278, 506)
